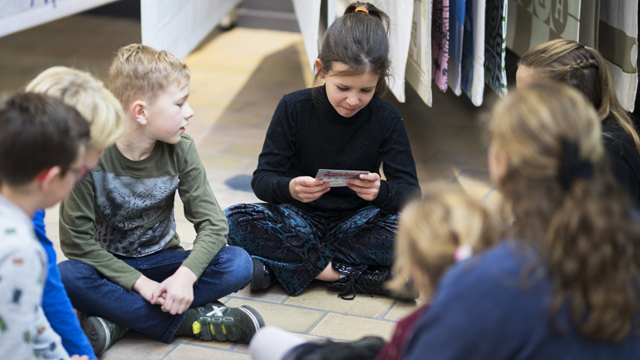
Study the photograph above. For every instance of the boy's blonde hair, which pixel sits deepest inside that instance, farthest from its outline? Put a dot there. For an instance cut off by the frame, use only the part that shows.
(142, 72)
(89, 96)
(432, 229)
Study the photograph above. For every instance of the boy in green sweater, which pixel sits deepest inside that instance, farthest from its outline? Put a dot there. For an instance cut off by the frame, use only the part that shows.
(127, 268)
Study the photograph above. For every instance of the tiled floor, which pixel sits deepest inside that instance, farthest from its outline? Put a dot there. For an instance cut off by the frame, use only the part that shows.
(238, 77)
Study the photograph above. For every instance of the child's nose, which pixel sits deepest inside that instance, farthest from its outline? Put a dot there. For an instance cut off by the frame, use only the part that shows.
(189, 111)
(352, 100)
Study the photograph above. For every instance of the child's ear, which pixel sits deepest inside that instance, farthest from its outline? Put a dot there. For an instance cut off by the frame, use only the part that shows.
(318, 65)
(138, 110)
(46, 177)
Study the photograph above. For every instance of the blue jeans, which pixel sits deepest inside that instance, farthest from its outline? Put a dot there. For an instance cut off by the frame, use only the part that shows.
(91, 293)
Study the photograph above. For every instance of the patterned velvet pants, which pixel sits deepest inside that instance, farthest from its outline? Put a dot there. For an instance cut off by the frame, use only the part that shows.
(297, 245)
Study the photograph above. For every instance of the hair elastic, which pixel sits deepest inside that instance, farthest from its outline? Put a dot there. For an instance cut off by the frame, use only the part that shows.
(463, 252)
(572, 166)
(360, 8)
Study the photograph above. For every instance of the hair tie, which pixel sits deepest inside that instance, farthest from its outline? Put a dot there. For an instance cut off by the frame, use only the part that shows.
(360, 8)
(463, 252)
(572, 166)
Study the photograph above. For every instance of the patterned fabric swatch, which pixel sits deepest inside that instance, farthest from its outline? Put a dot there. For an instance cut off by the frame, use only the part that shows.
(618, 44)
(418, 71)
(440, 42)
(495, 46)
(457, 10)
(473, 51)
(531, 23)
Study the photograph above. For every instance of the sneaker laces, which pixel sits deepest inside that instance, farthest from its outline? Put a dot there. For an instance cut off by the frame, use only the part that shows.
(351, 283)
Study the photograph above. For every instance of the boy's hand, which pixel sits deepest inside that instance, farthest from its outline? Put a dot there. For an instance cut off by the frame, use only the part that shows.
(367, 186)
(145, 287)
(175, 293)
(307, 189)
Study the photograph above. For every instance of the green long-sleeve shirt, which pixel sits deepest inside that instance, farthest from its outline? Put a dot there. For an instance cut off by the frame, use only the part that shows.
(125, 207)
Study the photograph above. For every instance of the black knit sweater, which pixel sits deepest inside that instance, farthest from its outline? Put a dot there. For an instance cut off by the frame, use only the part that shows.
(307, 134)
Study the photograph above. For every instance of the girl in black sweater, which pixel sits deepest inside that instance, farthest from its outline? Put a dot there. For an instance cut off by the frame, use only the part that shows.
(584, 68)
(308, 230)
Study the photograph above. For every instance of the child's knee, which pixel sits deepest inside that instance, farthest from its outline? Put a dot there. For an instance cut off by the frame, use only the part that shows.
(236, 261)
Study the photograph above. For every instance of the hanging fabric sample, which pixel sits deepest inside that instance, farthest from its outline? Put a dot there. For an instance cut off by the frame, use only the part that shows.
(457, 10)
(531, 23)
(440, 42)
(473, 51)
(419, 60)
(308, 15)
(618, 44)
(495, 46)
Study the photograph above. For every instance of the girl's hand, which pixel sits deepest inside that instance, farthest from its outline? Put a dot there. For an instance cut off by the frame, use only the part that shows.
(367, 186)
(307, 189)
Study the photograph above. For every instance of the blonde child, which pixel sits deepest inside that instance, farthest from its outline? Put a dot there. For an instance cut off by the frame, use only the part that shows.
(106, 118)
(127, 268)
(584, 69)
(308, 230)
(563, 282)
(41, 147)
(446, 226)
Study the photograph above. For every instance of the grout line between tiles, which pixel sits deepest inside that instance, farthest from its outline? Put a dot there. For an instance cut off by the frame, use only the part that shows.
(316, 323)
(389, 309)
(310, 308)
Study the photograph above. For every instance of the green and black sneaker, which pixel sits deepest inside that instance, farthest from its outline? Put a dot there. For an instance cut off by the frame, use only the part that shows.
(102, 333)
(218, 322)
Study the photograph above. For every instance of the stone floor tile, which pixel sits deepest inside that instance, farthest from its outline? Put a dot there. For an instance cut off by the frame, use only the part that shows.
(212, 344)
(221, 162)
(474, 177)
(477, 192)
(318, 296)
(346, 327)
(244, 149)
(138, 346)
(402, 309)
(438, 168)
(290, 318)
(186, 231)
(493, 199)
(197, 352)
(275, 294)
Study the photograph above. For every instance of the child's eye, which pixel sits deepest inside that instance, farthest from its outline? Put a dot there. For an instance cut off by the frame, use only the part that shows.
(342, 88)
(180, 104)
(367, 90)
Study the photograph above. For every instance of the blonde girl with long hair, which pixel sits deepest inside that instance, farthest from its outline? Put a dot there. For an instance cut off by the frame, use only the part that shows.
(445, 227)
(583, 68)
(563, 281)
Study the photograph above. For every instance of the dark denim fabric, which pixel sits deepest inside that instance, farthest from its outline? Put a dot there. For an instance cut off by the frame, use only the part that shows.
(229, 271)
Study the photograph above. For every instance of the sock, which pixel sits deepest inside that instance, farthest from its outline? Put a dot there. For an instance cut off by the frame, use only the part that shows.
(186, 328)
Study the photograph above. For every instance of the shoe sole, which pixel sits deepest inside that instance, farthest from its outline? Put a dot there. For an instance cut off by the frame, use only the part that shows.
(253, 315)
(256, 263)
(92, 327)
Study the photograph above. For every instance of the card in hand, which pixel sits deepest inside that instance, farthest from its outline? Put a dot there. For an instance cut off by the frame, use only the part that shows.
(337, 178)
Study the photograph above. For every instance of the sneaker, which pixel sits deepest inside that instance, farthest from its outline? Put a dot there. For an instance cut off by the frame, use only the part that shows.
(364, 279)
(102, 333)
(263, 277)
(218, 322)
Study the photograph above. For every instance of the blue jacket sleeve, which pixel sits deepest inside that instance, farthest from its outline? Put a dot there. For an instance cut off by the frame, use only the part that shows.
(55, 302)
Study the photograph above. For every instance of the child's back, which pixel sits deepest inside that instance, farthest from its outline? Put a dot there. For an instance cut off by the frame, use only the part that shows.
(41, 140)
